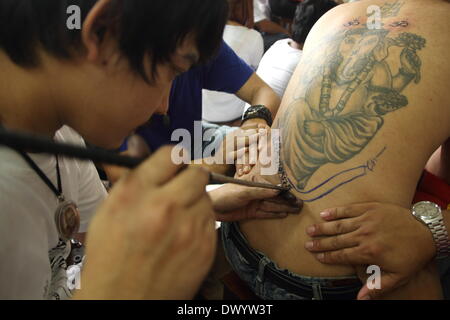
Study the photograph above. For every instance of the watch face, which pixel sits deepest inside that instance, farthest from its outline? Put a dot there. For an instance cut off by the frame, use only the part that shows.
(426, 209)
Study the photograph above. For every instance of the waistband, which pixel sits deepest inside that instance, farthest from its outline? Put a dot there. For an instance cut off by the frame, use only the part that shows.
(342, 288)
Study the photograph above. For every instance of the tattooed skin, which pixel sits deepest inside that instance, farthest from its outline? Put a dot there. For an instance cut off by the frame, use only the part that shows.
(342, 99)
(391, 9)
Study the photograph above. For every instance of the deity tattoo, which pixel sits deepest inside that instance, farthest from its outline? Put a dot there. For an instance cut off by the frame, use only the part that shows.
(341, 102)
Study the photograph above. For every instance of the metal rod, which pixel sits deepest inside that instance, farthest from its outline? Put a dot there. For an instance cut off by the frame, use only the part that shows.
(34, 143)
(220, 179)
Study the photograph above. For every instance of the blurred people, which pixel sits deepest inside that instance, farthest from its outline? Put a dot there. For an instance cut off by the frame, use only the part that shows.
(280, 61)
(225, 72)
(221, 107)
(270, 30)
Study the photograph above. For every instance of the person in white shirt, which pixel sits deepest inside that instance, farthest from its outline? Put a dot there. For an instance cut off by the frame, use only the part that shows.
(30, 238)
(270, 30)
(280, 61)
(221, 107)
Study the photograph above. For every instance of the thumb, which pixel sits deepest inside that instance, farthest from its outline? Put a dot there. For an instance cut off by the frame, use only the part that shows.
(388, 282)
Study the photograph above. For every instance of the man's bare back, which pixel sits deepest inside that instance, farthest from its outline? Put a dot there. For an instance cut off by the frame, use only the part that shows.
(364, 111)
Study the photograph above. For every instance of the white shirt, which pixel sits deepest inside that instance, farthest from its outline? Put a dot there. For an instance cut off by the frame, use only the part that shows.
(248, 44)
(278, 65)
(32, 258)
(261, 9)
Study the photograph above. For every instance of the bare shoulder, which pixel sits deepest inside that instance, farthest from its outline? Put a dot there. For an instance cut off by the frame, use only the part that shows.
(371, 87)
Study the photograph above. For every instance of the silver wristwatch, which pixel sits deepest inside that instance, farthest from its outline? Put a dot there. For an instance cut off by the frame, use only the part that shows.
(430, 214)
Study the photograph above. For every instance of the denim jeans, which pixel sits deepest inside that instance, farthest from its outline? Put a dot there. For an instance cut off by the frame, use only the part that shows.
(267, 290)
(444, 271)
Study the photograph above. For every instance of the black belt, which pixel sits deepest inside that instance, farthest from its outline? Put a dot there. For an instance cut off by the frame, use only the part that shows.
(331, 290)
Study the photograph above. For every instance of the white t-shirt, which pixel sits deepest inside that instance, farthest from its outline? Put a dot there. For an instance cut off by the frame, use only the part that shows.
(261, 9)
(278, 65)
(248, 44)
(32, 258)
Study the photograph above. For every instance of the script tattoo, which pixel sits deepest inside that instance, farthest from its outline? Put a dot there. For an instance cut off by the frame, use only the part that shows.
(347, 89)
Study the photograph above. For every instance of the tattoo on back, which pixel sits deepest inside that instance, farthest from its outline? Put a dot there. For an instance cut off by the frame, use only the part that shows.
(350, 84)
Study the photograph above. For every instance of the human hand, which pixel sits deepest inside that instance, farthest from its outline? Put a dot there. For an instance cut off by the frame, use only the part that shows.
(248, 159)
(235, 203)
(154, 237)
(373, 234)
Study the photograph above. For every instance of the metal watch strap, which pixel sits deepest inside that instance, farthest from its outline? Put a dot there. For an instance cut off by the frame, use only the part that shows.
(440, 237)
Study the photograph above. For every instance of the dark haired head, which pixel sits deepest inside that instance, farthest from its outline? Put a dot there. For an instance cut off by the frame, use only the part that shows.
(283, 8)
(142, 28)
(306, 15)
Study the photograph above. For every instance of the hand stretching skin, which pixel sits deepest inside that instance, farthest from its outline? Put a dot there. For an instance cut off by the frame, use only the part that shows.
(236, 203)
(374, 233)
(154, 237)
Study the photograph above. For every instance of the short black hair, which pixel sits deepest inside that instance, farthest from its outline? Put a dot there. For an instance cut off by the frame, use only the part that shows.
(283, 8)
(307, 14)
(154, 27)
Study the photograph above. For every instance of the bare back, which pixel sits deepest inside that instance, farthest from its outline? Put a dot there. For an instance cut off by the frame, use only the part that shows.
(363, 112)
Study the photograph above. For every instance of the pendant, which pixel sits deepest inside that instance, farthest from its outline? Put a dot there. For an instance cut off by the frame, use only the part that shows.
(67, 219)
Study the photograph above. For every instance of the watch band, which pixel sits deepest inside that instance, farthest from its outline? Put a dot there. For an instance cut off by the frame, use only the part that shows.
(440, 236)
(258, 111)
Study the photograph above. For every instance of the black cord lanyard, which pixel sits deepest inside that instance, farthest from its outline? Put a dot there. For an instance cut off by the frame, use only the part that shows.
(33, 165)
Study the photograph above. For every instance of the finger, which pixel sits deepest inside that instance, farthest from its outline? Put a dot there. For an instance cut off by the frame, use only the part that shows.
(253, 155)
(267, 215)
(388, 282)
(188, 186)
(241, 163)
(237, 154)
(193, 223)
(277, 207)
(333, 227)
(155, 171)
(288, 198)
(202, 208)
(237, 215)
(239, 170)
(254, 193)
(338, 242)
(346, 212)
(346, 256)
(243, 138)
(246, 161)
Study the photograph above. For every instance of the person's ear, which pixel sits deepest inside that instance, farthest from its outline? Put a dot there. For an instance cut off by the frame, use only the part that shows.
(91, 26)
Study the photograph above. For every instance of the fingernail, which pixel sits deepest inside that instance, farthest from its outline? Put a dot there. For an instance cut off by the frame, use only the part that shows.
(311, 230)
(246, 168)
(325, 214)
(240, 172)
(309, 245)
(320, 256)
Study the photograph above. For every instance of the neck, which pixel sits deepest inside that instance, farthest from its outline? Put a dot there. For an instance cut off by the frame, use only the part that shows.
(28, 99)
(234, 23)
(296, 45)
